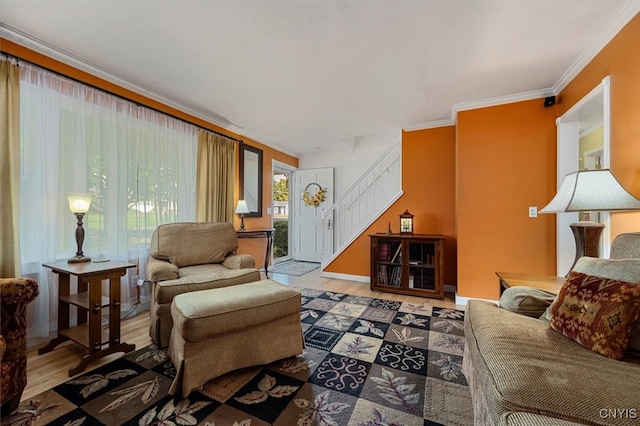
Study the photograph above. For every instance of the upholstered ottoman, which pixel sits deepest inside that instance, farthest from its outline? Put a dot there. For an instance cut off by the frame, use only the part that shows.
(219, 330)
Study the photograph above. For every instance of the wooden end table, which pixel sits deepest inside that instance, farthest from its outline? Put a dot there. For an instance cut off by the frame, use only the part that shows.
(260, 233)
(543, 282)
(89, 302)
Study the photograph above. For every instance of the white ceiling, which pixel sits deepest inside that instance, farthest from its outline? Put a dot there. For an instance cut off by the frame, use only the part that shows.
(311, 77)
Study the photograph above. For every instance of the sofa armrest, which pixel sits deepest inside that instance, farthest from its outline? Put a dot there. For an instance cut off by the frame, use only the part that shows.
(3, 347)
(239, 261)
(161, 270)
(15, 295)
(528, 301)
(15, 291)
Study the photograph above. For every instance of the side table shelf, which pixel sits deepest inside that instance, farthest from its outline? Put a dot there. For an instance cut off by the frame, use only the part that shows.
(89, 302)
(80, 333)
(82, 300)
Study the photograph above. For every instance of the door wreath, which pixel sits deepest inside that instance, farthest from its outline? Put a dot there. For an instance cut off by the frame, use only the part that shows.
(316, 199)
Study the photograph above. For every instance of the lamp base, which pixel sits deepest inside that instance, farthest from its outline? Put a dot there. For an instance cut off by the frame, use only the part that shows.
(587, 236)
(79, 258)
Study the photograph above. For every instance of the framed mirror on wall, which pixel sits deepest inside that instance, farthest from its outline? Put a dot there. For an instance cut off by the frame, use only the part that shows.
(251, 179)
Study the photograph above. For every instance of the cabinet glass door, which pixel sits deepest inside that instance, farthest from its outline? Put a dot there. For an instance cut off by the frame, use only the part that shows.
(422, 265)
(389, 263)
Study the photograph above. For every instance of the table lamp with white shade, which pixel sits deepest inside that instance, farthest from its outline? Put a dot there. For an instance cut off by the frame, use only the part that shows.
(79, 205)
(242, 209)
(590, 191)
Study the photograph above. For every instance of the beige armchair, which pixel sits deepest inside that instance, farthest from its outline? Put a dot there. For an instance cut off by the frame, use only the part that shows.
(192, 256)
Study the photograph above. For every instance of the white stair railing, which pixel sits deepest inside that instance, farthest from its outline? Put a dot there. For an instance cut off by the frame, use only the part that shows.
(378, 187)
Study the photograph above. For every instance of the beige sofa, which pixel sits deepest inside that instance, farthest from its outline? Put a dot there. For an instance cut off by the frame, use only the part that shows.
(186, 257)
(522, 372)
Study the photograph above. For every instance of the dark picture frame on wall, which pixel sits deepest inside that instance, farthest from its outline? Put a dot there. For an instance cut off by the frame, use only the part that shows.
(251, 179)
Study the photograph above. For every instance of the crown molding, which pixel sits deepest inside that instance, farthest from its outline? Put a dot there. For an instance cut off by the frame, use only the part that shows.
(260, 139)
(630, 10)
(428, 125)
(465, 106)
(501, 100)
(67, 58)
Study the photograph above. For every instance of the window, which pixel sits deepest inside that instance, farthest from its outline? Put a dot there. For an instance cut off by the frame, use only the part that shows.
(139, 164)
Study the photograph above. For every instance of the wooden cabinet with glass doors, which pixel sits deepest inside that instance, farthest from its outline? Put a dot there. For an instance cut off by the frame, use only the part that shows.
(408, 264)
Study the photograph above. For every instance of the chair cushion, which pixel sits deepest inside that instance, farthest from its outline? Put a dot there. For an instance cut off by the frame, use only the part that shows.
(198, 316)
(202, 277)
(186, 243)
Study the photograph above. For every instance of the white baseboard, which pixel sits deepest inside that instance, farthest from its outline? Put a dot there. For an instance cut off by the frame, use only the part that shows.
(339, 276)
(462, 301)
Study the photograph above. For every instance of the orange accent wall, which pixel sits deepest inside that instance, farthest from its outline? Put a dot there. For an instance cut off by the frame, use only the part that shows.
(621, 60)
(506, 162)
(428, 175)
(256, 247)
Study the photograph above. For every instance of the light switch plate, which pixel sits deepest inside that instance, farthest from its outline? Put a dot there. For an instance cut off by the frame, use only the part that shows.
(533, 211)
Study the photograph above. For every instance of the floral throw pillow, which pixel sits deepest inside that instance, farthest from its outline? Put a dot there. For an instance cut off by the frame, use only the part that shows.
(598, 313)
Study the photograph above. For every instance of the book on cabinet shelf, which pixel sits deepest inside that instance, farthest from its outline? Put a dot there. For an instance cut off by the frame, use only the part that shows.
(382, 275)
(396, 276)
(384, 251)
(389, 275)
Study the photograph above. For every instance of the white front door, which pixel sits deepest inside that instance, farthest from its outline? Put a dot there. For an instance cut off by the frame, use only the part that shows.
(307, 232)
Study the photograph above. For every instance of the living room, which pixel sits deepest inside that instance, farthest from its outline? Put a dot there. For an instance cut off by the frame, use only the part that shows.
(471, 179)
(466, 187)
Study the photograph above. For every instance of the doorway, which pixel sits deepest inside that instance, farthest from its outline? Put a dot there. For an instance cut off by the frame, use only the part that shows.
(281, 210)
(298, 227)
(309, 236)
(583, 143)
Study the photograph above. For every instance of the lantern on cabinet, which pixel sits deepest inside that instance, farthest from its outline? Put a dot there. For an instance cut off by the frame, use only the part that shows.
(406, 223)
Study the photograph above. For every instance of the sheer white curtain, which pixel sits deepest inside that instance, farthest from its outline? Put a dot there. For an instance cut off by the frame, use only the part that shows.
(139, 164)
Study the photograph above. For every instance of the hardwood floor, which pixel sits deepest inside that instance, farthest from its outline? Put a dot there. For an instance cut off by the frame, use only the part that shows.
(51, 369)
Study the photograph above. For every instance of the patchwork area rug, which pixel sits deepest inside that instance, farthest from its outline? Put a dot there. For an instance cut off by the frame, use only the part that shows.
(294, 267)
(368, 362)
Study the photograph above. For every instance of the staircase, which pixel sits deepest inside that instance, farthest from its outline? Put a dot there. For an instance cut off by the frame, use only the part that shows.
(377, 189)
